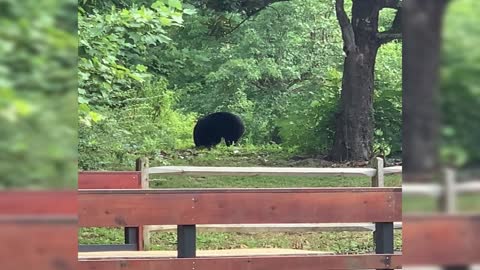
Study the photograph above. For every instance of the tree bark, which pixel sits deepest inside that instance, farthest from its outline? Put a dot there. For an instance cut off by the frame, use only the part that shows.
(355, 123)
(421, 117)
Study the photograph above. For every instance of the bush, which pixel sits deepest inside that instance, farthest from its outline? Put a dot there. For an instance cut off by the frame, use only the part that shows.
(308, 124)
(147, 125)
(38, 81)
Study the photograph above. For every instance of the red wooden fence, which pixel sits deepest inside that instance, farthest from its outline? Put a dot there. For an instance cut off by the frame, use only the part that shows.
(38, 230)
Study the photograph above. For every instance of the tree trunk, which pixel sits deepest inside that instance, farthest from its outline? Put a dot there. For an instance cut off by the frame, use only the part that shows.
(421, 117)
(355, 123)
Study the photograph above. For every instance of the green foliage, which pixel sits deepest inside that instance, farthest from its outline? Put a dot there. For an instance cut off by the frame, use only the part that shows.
(388, 99)
(460, 84)
(147, 125)
(38, 49)
(255, 70)
(103, 5)
(125, 108)
(308, 125)
(113, 46)
(280, 71)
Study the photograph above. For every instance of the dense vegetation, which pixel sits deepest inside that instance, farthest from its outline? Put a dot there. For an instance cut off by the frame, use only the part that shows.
(38, 49)
(460, 85)
(280, 70)
(147, 69)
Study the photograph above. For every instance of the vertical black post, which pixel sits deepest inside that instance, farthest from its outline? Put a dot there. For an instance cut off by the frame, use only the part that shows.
(131, 235)
(186, 241)
(383, 238)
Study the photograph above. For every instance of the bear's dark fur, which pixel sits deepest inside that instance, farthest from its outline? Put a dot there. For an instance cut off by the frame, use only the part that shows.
(210, 129)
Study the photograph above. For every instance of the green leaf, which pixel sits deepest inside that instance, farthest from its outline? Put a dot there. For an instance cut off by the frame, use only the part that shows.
(141, 68)
(83, 108)
(175, 4)
(189, 11)
(96, 117)
(165, 21)
(82, 100)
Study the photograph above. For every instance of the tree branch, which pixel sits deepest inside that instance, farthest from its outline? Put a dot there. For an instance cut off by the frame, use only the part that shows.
(251, 7)
(395, 4)
(252, 13)
(348, 35)
(395, 31)
(385, 37)
(244, 20)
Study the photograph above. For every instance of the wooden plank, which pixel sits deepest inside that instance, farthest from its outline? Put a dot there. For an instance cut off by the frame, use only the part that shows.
(441, 240)
(142, 167)
(155, 254)
(39, 246)
(468, 187)
(255, 228)
(434, 190)
(264, 171)
(38, 202)
(448, 199)
(392, 170)
(38, 230)
(115, 180)
(379, 179)
(234, 206)
(297, 262)
(109, 180)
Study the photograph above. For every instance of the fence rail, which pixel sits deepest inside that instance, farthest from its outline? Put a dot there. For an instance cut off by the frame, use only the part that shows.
(187, 208)
(261, 171)
(439, 239)
(231, 206)
(141, 178)
(38, 230)
(446, 192)
(436, 190)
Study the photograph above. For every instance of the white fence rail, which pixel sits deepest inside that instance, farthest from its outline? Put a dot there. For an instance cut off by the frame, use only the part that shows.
(448, 190)
(376, 174)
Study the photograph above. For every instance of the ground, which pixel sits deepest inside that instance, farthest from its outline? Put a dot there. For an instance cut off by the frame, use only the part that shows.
(338, 242)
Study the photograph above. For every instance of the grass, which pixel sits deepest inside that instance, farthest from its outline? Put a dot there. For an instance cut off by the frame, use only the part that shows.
(337, 242)
(465, 203)
(271, 157)
(266, 182)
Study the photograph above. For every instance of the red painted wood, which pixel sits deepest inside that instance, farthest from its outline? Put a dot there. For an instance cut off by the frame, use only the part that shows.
(140, 246)
(38, 202)
(164, 207)
(42, 246)
(109, 180)
(441, 240)
(112, 180)
(295, 262)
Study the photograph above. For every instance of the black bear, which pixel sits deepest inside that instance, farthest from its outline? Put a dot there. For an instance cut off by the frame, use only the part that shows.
(210, 129)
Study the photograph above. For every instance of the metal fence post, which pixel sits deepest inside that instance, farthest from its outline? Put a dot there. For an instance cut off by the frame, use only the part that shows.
(187, 241)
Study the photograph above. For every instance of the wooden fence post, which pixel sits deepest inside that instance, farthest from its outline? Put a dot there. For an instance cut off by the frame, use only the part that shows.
(379, 179)
(384, 231)
(448, 205)
(447, 201)
(141, 165)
